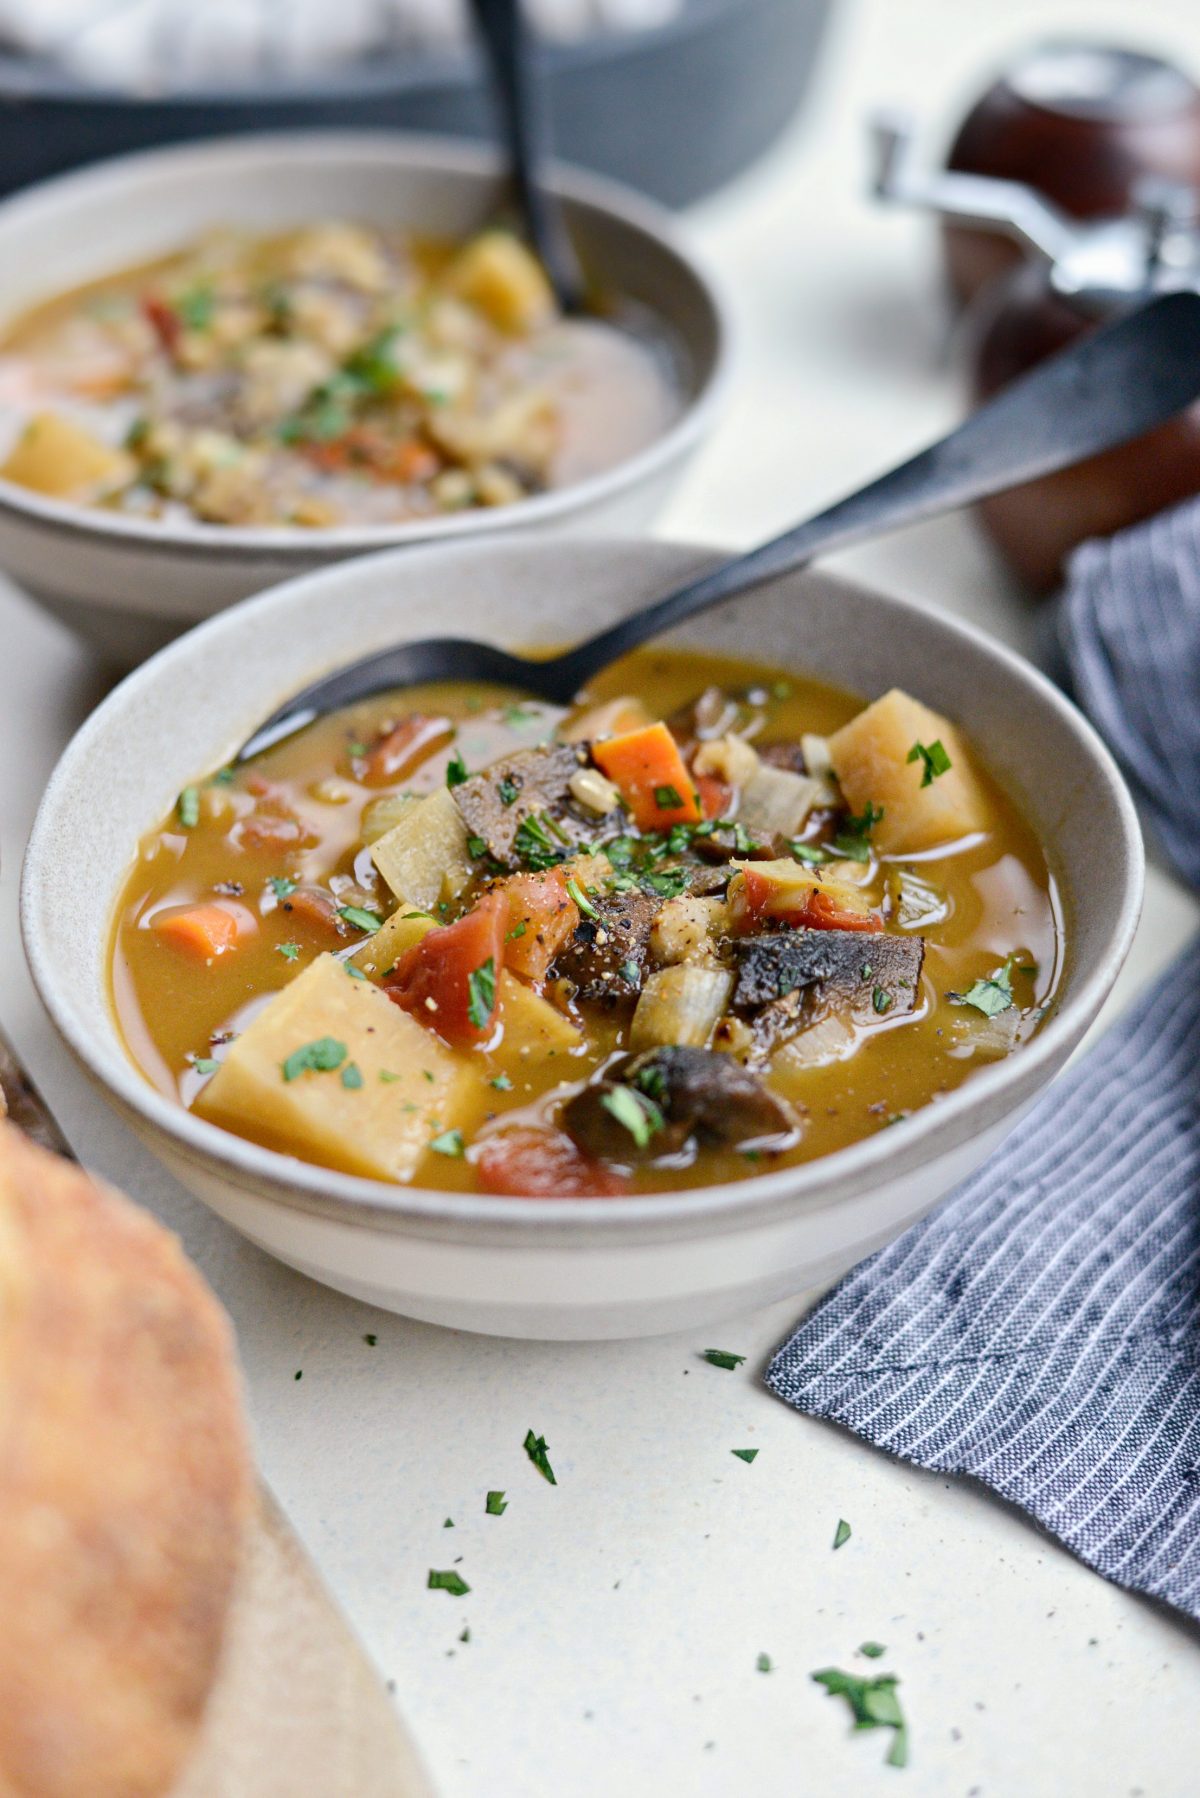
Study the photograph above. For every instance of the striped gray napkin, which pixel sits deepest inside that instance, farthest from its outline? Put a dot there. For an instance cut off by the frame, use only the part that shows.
(1041, 1331)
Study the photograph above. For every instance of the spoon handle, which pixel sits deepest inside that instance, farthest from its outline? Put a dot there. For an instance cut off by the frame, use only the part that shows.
(520, 97)
(1110, 387)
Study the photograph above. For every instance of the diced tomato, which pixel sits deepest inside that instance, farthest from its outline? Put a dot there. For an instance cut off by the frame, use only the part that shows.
(168, 326)
(402, 747)
(266, 831)
(207, 930)
(757, 901)
(652, 777)
(433, 980)
(544, 1164)
(715, 796)
(542, 917)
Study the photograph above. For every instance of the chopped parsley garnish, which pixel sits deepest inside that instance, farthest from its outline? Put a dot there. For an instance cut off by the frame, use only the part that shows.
(668, 883)
(450, 1143)
(386, 1075)
(993, 995)
(881, 1001)
(195, 308)
(517, 715)
(872, 1650)
(289, 951)
(354, 973)
(723, 1358)
(446, 1579)
(535, 1448)
(501, 1082)
(281, 886)
(319, 1057)
(476, 846)
(841, 1533)
(508, 791)
(496, 1504)
(204, 1064)
(634, 1111)
(481, 990)
(518, 930)
(851, 841)
(224, 777)
(873, 1703)
(373, 364)
(534, 844)
(933, 759)
(360, 917)
(630, 971)
(811, 853)
(188, 807)
(764, 1664)
(581, 899)
(668, 799)
(744, 1454)
(456, 770)
(352, 1076)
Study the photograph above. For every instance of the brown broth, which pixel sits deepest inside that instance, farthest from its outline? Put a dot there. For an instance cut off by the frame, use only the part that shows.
(999, 894)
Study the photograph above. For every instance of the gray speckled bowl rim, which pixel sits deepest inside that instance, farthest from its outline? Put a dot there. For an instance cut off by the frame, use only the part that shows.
(985, 1100)
(404, 150)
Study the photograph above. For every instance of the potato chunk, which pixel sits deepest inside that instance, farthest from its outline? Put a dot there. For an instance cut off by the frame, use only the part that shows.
(394, 938)
(425, 857)
(404, 1090)
(533, 1028)
(57, 458)
(870, 759)
(496, 274)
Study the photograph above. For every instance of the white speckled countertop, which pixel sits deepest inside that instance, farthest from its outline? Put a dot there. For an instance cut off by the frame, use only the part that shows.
(615, 1620)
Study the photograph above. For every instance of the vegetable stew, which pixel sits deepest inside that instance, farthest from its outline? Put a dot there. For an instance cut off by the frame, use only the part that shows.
(338, 375)
(713, 919)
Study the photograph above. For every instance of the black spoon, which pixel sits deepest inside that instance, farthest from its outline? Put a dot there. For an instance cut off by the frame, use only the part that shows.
(520, 98)
(1107, 388)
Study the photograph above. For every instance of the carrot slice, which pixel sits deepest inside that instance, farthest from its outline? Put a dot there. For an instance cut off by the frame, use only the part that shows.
(652, 777)
(205, 930)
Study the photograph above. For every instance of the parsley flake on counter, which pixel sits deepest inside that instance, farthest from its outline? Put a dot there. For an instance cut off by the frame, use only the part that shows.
(933, 759)
(481, 990)
(360, 917)
(634, 1111)
(445, 1579)
(842, 1533)
(496, 1504)
(289, 951)
(448, 1524)
(450, 1143)
(204, 1064)
(744, 1454)
(874, 1705)
(352, 1076)
(535, 1448)
(465, 1636)
(188, 807)
(281, 886)
(872, 1650)
(456, 770)
(319, 1057)
(723, 1358)
(370, 1339)
(764, 1664)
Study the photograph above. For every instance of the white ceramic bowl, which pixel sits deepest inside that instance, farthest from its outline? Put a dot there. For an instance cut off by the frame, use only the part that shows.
(568, 1268)
(129, 585)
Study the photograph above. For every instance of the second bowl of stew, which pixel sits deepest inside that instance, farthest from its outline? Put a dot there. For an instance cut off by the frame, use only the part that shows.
(594, 1019)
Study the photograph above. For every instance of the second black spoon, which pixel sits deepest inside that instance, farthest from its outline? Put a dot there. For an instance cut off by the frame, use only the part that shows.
(1104, 390)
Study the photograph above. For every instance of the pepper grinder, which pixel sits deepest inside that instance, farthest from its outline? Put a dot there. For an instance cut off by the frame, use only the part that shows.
(1064, 277)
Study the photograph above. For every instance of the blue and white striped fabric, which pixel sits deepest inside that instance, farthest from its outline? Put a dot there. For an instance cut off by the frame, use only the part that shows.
(1041, 1332)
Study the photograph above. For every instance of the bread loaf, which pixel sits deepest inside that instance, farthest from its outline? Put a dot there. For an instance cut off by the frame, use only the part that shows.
(125, 1487)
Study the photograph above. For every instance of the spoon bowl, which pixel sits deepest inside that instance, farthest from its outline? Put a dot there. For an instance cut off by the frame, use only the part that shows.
(1106, 389)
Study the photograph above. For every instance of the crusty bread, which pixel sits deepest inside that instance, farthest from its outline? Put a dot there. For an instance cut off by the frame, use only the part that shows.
(125, 1487)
